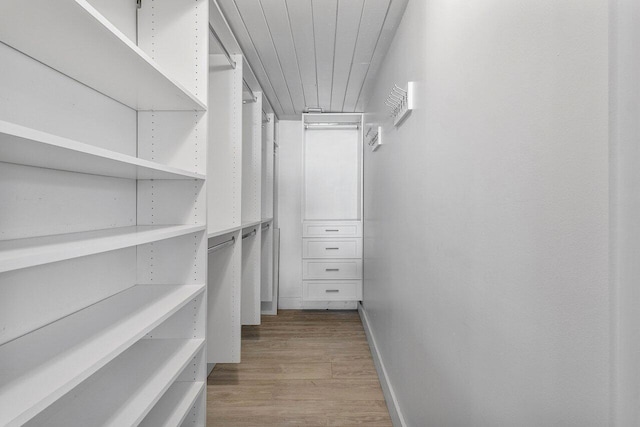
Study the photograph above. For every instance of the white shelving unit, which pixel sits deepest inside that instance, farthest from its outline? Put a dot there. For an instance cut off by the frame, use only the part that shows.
(40, 367)
(268, 163)
(251, 209)
(332, 222)
(224, 291)
(127, 73)
(225, 215)
(251, 275)
(103, 259)
(268, 293)
(252, 161)
(266, 267)
(29, 147)
(126, 390)
(240, 190)
(22, 253)
(173, 408)
(225, 145)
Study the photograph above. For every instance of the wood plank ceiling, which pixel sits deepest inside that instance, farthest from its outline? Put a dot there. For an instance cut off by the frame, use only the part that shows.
(314, 53)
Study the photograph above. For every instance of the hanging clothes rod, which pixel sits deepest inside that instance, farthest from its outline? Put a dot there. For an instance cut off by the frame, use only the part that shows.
(252, 233)
(224, 49)
(254, 98)
(332, 126)
(226, 243)
(265, 227)
(267, 119)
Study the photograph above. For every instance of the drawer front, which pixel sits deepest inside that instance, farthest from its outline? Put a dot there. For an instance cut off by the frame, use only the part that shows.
(330, 248)
(332, 229)
(328, 290)
(333, 269)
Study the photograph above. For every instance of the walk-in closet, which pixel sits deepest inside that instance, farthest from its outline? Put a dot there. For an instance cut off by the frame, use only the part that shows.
(270, 213)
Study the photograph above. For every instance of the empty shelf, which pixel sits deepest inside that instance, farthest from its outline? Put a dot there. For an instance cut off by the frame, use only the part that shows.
(174, 406)
(222, 232)
(40, 367)
(74, 38)
(22, 253)
(216, 233)
(124, 391)
(29, 147)
(248, 224)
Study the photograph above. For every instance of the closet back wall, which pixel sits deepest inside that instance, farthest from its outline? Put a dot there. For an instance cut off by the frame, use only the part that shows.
(486, 220)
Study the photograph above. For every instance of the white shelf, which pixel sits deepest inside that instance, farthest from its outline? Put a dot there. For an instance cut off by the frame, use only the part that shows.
(251, 223)
(244, 225)
(217, 233)
(40, 367)
(75, 39)
(22, 253)
(29, 147)
(124, 392)
(174, 406)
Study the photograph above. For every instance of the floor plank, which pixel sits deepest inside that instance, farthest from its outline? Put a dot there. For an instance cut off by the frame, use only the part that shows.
(300, 368)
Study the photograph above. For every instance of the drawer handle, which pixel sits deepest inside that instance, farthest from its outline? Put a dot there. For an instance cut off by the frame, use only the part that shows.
(331, 230)
(332, 249)
(331, 269)
(332, 290)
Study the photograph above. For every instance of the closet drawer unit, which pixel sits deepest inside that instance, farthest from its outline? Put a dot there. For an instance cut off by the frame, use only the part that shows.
(331, 248)
(332, 229)
(331, 269)
(329, 290)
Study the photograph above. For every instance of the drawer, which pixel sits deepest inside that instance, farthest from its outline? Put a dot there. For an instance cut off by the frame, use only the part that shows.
(331, 248)
(332, 229)
(331, 269)
(330, 290)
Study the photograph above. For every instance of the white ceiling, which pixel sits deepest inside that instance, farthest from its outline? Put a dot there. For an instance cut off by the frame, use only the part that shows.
(314, 53)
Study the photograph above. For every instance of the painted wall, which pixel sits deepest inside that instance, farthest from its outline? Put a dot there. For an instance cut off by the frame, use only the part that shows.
(625, 208)
(486, 215)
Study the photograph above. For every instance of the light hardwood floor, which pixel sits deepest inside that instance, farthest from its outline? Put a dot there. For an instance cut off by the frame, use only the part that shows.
(300, 368)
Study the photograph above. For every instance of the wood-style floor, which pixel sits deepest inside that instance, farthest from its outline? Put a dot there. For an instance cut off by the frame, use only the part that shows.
(300, 368)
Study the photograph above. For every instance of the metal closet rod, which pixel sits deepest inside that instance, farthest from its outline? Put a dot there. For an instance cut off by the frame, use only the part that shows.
(252, 233)
(224, 49)
(254, 98)
(266, 227)
(229, 242)
(266, 118)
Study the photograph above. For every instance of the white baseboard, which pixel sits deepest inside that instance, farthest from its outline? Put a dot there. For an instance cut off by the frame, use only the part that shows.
(389, 395)
(285, 303)
(299, 304)
(329, 305)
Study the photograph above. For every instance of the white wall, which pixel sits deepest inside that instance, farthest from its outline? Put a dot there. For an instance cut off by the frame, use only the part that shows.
(625, 204)
(486, 215)
(290, 213)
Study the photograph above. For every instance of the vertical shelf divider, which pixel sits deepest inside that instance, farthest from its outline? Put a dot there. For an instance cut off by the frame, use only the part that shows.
(225, 169)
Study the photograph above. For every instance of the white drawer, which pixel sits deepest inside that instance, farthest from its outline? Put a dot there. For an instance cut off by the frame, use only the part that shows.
(331, 269)
(329, 290)
(331, 248)
(332, 229)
